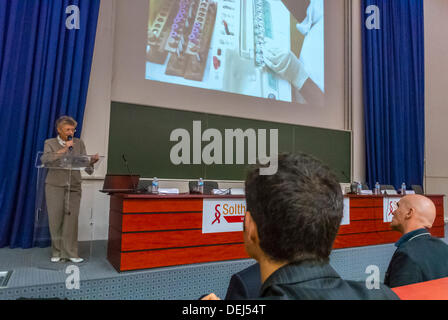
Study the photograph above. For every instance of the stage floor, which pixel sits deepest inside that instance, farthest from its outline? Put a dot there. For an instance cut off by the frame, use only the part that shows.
(34, 276)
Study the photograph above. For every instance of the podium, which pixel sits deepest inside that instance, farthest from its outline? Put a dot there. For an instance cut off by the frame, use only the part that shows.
(58, 207)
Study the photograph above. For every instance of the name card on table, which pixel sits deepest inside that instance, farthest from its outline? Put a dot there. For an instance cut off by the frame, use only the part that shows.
(168, 191)
(389, 192)
(223, 215)
(389, 206)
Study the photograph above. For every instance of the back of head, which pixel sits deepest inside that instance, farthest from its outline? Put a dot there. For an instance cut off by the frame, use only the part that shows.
(297, 211)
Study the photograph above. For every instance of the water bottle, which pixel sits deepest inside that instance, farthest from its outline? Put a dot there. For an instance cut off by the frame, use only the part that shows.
(155, 185)
(359, 188)
(377, 188)
(201, 186)
(403, 188)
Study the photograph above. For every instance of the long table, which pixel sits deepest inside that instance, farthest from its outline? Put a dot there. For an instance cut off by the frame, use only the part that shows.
(149, 231)
(367, 226)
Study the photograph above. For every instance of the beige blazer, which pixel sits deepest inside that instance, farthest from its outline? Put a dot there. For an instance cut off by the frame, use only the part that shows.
(60, 177)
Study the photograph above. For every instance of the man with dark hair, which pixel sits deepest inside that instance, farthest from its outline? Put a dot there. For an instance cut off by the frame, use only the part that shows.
(290, 225)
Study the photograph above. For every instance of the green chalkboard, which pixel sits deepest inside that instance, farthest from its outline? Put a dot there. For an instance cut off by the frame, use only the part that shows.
(142, 134)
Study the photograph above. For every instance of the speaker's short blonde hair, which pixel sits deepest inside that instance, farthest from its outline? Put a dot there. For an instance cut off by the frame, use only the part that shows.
(66, 120)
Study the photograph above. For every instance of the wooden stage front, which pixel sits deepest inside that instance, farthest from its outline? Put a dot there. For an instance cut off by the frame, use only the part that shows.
(149, 231)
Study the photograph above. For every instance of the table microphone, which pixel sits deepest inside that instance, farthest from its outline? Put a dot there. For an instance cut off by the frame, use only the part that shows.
(129, 171)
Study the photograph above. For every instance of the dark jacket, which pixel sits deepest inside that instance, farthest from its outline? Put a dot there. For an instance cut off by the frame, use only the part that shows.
(313, 281)
(302, 281)
(245, 284)
(419, 257)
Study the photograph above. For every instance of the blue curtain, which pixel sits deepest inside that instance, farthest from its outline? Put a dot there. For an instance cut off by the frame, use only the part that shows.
(44, 73)
(394, 88)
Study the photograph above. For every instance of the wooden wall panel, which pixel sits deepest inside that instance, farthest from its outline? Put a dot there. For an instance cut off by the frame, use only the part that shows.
(357, 213)
(161, 205)
(438, 200)
(178, 238)
(440, 212)
(383, 226)
(365, 239)
(114, 248)
(437, 231)
(359, 226)
(439, 221)
(115, 219)
(116, 203)
(150, 232)
(173, 257)
(161, 221)
(366, 201)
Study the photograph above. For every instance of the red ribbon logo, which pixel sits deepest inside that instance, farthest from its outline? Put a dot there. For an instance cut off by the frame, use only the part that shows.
(391, 208)
(217, 214)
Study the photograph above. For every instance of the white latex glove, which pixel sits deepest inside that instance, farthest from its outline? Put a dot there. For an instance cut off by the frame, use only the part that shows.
(314, 13)
(285, 63)
(312, 55)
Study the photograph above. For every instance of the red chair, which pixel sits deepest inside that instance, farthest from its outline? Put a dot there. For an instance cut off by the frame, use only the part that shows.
(429, 290)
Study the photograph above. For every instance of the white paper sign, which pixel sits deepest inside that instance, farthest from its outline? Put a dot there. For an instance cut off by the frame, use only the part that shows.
(346, 216)
(389, 205)
(389, 192)
(223, 215)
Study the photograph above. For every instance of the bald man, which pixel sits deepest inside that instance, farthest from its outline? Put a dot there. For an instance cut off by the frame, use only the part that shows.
(419, 256)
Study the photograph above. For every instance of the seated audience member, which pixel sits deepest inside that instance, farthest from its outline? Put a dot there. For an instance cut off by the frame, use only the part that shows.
(419, 256)
(291, 222)
(245, 284)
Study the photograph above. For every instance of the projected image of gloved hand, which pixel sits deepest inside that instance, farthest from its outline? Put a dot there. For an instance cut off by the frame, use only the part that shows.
(314, 13)
(285, 64)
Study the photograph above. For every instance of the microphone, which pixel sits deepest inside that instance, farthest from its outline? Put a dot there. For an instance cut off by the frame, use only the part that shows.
(70, 138)
(129, 171)
(344, 175)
